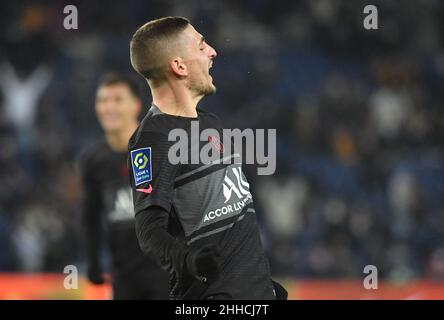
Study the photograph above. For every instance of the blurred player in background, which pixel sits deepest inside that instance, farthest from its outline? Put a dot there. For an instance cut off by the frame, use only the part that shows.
(178, 206)
(107, 201)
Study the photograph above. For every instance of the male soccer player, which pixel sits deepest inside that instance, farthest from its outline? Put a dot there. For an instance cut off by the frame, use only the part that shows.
(197, 220)
(107, 200)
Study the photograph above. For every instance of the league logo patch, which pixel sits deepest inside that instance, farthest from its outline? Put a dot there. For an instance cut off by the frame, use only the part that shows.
(141, 163)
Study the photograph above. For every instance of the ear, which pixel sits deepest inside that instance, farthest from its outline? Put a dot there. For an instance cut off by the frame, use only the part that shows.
(178, 67)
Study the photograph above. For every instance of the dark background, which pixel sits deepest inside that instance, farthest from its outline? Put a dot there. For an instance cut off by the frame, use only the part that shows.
(359, 117)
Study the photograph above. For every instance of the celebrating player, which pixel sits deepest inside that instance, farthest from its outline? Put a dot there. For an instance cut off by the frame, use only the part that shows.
(197, 220)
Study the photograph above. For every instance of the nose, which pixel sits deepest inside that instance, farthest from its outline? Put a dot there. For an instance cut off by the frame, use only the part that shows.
(212, 52)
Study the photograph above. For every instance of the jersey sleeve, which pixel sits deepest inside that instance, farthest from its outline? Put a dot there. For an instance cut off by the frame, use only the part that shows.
(91, 208)
(151, 173)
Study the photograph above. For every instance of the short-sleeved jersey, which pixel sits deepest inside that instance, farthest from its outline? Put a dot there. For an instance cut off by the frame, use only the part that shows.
(208, 203)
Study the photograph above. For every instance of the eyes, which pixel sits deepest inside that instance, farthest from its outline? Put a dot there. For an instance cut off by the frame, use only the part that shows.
(202, 44)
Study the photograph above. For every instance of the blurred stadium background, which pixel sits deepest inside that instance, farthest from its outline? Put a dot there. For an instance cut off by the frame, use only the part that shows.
(359, 116)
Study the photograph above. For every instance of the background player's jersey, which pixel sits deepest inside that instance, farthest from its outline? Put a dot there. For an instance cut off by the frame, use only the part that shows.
(208, 203)
(108, 204)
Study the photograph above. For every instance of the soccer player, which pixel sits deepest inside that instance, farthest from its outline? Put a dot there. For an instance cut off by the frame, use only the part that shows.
(197, 220)
(107, 200)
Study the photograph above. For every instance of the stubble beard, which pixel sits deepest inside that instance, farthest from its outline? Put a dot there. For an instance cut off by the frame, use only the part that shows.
(202, 89)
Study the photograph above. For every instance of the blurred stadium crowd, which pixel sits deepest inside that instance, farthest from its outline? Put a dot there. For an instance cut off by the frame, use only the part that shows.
(359, 118)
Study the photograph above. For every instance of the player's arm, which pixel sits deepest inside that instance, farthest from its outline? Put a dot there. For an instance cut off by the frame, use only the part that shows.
(171, 254)
(152, 180)
(91, 219)
(151, 228)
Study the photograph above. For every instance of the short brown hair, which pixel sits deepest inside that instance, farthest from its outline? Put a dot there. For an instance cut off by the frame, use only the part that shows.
(113, 78)
(148, 45)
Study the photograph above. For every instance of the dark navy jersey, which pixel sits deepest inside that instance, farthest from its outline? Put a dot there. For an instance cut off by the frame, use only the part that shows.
(207, 203)
(108, 206)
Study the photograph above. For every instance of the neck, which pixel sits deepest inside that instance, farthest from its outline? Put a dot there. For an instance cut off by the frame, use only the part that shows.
(118, 140)
(175, 100)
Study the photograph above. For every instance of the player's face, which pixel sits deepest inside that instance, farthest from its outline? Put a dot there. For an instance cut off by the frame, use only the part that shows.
(116, 107)
(199, 59)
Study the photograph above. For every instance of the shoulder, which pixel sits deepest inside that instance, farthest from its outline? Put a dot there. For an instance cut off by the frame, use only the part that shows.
(162, 123)
(209, 116)
(155, 129)
(91, 153)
